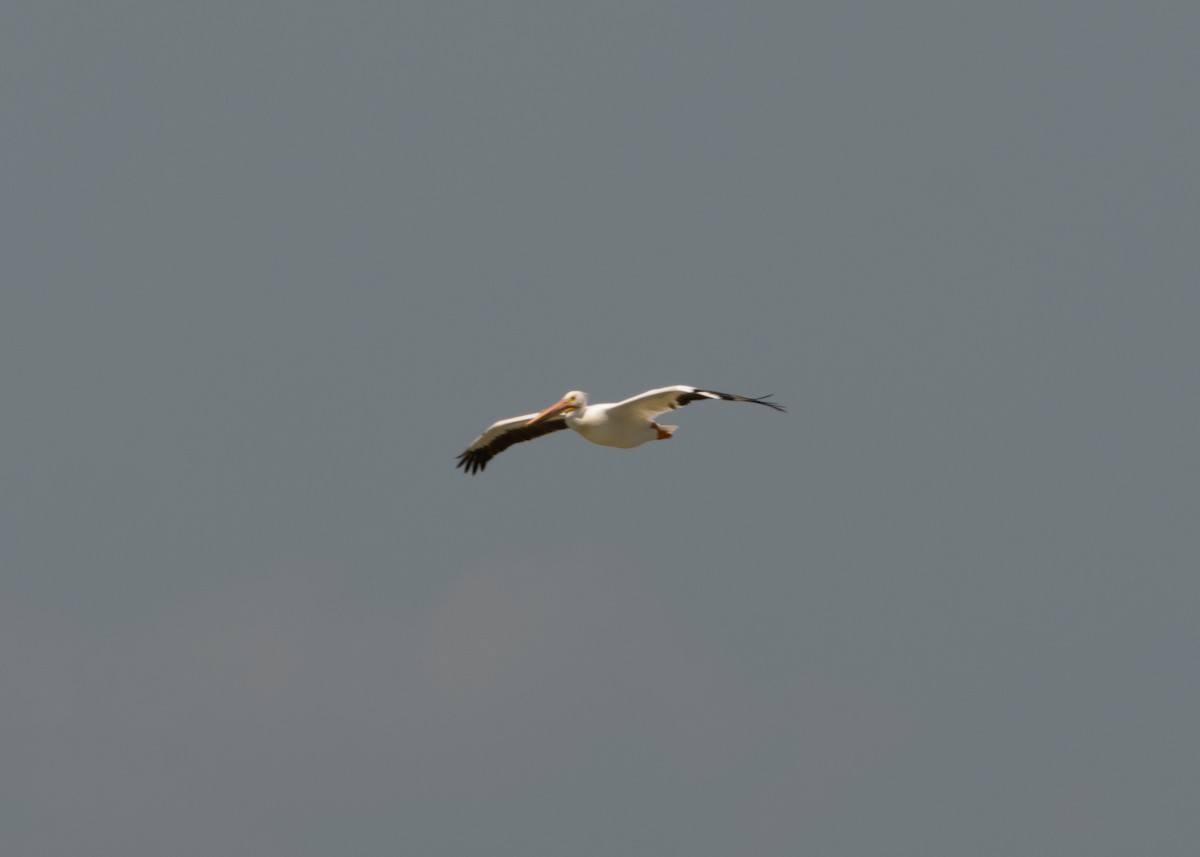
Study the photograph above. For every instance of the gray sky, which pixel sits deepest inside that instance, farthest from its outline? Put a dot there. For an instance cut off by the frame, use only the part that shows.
(266, 267)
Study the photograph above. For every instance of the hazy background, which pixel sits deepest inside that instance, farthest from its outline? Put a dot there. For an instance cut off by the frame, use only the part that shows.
(267, 267)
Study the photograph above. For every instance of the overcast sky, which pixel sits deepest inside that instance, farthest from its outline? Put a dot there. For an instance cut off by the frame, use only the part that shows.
(267, 267)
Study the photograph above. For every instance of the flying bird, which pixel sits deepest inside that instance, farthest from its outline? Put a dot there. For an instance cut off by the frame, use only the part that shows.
(624, 424)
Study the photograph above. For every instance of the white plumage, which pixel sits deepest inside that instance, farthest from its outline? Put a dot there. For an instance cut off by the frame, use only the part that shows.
(623, 424)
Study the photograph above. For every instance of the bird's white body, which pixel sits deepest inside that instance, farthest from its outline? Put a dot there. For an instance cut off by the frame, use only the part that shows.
(610, 425)
(600, 429)
(623, 424)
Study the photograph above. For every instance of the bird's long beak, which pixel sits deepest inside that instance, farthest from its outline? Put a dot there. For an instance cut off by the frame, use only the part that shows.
(558, 407)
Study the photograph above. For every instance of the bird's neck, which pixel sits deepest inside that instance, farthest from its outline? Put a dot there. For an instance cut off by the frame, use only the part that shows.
(576, 416)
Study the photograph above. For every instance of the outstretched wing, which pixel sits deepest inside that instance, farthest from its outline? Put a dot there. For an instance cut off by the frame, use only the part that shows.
(500, 436)
(651, 403)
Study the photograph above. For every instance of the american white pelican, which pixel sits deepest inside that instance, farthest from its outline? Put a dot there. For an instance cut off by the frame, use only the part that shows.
(622, 424)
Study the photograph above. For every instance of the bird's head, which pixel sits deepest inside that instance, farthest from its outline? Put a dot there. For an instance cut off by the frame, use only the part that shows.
(576, 400)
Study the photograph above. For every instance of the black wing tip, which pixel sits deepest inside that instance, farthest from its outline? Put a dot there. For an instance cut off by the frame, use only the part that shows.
(758, 400)
(762, 400)
(472, 461)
